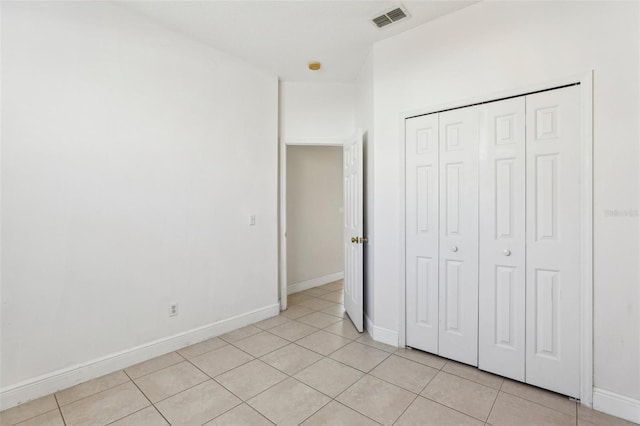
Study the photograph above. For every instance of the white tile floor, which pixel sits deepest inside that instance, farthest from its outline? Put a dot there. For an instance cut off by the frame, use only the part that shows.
(306, 366)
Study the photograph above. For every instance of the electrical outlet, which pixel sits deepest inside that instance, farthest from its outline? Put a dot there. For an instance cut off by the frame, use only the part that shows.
(173, 309)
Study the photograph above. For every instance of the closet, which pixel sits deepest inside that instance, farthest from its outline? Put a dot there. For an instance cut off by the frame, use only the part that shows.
(492, 234)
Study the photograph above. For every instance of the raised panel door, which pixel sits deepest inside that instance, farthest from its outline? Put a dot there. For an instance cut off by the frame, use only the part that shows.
(421, 231)
(553, 240)
(458, 239)
(502, 239)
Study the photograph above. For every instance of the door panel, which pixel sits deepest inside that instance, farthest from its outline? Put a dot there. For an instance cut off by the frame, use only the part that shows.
(502, 239)
(458, 242)
(553, 241)
(492, 237)
(422, 232)
(353, 228)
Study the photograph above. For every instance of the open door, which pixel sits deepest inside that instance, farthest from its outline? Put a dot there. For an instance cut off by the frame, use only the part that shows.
(354, 239)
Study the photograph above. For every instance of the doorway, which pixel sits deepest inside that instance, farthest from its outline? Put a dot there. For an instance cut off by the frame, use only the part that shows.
(311, 218)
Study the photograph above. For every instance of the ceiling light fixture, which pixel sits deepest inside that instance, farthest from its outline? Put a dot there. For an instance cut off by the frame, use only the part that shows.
(314, 66)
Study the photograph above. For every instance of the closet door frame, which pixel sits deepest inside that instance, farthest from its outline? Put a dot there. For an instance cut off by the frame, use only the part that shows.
(585, 81)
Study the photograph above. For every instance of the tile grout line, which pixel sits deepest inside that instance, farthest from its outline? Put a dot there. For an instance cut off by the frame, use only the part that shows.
(352, 409)
(242, 401)
(446, 406)
(90, 395)
(405, 409)
(154, 371)
(64, 422)
(145, 395)
(493, 404)
(224, 372)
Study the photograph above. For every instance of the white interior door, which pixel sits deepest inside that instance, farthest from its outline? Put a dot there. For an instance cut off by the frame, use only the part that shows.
(353, 237)
(501, 339)
(553, 240)
(458, 253)
(422, 232)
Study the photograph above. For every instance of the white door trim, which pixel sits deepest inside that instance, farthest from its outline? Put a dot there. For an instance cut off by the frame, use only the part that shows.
(282, 228)
(586, 210)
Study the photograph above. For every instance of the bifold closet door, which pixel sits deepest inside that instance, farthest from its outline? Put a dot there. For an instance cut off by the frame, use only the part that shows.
(458, 252)
(501, 348)
(421, 226)
(553, 240)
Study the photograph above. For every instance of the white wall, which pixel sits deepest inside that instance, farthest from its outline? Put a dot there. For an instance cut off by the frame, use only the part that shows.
(314, 213)
(496, 46)
(132, 158)
(318, 113)
(364, 120)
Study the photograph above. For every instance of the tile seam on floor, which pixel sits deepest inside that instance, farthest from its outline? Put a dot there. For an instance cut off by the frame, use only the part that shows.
(259, 413)
(64, 422)
(293, 341)
(493, 404)
(253, 396)
(275, 384)
(314, 413)
(314, 388)
(302, 369)
(270, 387)
(398, 386)
(90, 395)
(147, 398)
(453, 409)
(355, 368)
(321, 354)
(159, 356)
(542, 405)
(223, 413)
(223, 386)
(419, 351)
(183, 390)
(131, 414)
(353, 409)
(405, 409)
(502, 379)
(125, 416)
(358, 411)
(205, 352)
(37, 415)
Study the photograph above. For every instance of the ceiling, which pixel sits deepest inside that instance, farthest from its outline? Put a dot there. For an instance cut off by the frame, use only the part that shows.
(284, 36)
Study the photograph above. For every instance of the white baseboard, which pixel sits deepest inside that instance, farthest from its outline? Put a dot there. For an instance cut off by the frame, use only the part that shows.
(616, 405)
(306, 285)
(379, 334)
(52, 382)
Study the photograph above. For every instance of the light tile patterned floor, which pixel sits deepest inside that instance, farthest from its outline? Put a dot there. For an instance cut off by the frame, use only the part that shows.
(307, 366)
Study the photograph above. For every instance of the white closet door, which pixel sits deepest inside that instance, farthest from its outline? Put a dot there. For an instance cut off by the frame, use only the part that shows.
(502, 239)
(553, 240)
(422, 232)
(458, 310)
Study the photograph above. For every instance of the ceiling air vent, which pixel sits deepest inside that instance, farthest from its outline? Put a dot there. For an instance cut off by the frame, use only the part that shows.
(391, 16)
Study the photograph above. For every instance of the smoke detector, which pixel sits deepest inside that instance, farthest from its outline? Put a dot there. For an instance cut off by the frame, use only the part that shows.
(390, 16)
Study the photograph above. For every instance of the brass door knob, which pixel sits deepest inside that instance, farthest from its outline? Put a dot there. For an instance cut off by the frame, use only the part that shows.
(363, 240)
(354, 239)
